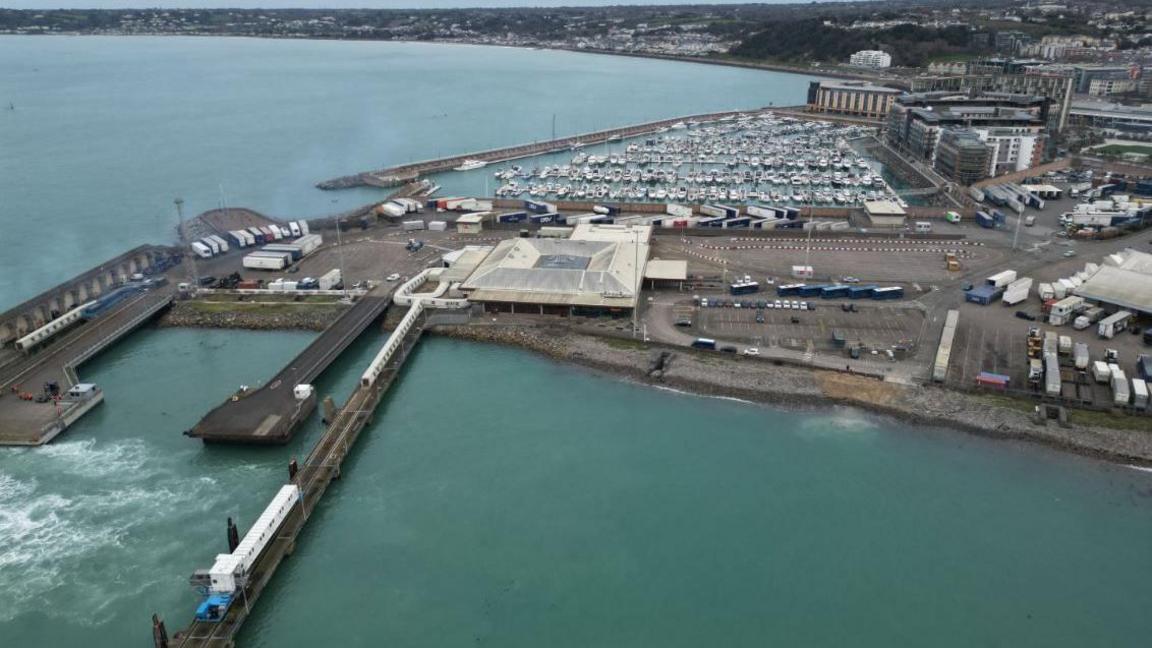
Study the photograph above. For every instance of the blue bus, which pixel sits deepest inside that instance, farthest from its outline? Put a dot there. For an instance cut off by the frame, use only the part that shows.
(811, 290)
(833, 292)
(704, 343)
(891, 292)
(861, 292)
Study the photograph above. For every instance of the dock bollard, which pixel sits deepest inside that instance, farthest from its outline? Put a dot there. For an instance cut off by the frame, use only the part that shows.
(233, 536)
(159, 632)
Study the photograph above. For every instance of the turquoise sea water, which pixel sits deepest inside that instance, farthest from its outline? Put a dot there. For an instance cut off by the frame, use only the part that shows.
(499, 498)
(108, 131)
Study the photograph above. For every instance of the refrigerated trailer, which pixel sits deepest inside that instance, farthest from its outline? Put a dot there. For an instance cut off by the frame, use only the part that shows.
(1113, 324)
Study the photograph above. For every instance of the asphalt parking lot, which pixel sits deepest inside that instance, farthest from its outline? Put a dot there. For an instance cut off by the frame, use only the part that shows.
(872, 326)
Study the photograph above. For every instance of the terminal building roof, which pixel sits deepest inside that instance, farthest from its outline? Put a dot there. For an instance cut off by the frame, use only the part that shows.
(604, 269)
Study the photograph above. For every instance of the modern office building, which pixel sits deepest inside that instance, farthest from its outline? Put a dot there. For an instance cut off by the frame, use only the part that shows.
(962, 156)
(1010, 126)
(1016, 76)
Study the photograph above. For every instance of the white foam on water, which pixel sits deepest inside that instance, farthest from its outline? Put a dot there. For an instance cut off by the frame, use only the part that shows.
(73, 546)
(1147, 469)
(840, 423)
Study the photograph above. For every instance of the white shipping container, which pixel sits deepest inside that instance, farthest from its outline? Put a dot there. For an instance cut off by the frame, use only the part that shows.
(1065, 345)
(303, 227)
(680, 211)
(1051, 375)
(1001, 279)
(1081, 356)
(1101, 372)
(212, 245)
(220, 241)
(261, 262)
(1045, 291)
(802, 272)
(412, 226)
(438, 226)
(295, 227)
(1139, 394)
(329, 280)
(1120, 393)
(201, 250)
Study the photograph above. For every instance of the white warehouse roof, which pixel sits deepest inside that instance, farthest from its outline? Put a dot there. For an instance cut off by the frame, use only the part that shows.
(1127, 285)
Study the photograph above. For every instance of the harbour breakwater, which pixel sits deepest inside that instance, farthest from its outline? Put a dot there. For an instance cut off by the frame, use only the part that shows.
(782, 385)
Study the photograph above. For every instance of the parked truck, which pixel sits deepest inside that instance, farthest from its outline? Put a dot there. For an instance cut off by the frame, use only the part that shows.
(1080, 356)
(1051, 375)
(1120, 392)
(1139, 394)
(1113, 324)
(1101, 372)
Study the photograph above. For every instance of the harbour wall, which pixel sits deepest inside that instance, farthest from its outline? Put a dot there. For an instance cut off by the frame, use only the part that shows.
(33, 313)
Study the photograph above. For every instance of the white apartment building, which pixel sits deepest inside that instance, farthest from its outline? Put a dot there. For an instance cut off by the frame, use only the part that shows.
(871, 58)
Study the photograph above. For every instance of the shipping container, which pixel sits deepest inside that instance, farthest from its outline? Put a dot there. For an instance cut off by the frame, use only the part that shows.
(329, 280)
(555, 232)
(412, 226)
(201, 250)
(1001, 279)
(993, 380)
(1101, 372)
(258, 235)
(1111, 325)
(1051, 375)
(1120, 388)
(224, 247)
(294, 252)
(295, 227)
(257, 261)
(1144, 366)
(1139, 394)
(680, 211)
(212, 245)
(1080, 356)
(983, 295)
(438, 226)
(944, 351)
(511, 217)
(238, 239)
(984, 220)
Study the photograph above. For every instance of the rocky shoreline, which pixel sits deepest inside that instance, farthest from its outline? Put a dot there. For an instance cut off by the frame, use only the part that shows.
(762, 381)
(254, 316)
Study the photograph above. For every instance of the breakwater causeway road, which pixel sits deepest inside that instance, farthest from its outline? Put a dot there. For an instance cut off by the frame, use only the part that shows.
(271, 413)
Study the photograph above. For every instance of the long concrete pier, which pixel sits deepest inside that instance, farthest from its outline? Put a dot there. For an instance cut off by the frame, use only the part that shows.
(27, 422)
(322, 465)
(271, 413)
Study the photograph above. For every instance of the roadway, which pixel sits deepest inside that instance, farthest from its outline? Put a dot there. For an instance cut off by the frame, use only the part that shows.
(270, 413)
(27, 422)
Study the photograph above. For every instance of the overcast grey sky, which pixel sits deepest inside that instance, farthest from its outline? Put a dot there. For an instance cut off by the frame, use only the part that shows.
(326, 4)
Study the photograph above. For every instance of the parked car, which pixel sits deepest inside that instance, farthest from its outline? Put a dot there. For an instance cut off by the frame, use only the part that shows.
(392, 277)
(751, 351)
(759, 317)
(728, 349)
(850, 280)
(1025, 315)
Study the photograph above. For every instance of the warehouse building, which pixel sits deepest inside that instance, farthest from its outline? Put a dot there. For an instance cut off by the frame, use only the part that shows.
(598, 270)
(1123, 281)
